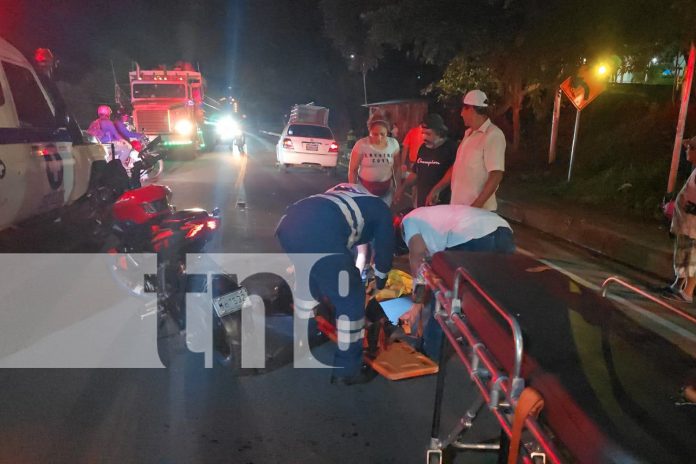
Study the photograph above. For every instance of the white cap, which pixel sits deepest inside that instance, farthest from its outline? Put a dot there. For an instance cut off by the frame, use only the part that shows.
(475, 98)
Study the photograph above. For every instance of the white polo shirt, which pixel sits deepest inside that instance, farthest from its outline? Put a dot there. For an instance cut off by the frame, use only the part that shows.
(446, 226)
(480, 152)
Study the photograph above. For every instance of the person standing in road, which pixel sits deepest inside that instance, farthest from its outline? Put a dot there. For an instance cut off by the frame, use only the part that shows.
(374, 158)
(394, 132)
(411, 144)
(435, 157)
(350, 139)
(332, 223)
(684, 228)
(480, 162)
(104, 129)
(374, 161)
(122, 123)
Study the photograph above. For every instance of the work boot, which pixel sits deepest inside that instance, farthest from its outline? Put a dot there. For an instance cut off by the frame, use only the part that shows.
(365, 375)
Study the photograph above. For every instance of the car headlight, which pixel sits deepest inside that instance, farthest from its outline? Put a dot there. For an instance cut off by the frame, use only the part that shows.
(183, 127)
(228, 128)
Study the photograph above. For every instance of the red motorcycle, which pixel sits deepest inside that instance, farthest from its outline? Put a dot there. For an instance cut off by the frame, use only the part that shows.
(145, 221)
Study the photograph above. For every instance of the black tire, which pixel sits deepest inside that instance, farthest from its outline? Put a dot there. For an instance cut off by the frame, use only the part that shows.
(171, 292)
(278, 325)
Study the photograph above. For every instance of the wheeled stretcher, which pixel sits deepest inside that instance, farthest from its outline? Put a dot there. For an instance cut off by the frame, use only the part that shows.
(608, 384)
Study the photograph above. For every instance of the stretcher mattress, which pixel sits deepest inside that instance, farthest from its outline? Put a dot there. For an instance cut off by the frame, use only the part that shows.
(609, 384)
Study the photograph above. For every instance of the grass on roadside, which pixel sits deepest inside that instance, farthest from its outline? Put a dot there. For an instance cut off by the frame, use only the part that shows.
(622, 159)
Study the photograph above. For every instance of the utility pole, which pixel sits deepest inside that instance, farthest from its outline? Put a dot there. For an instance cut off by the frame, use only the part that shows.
(364, 74)
(363, 70)
(554, 126)
(681, 121)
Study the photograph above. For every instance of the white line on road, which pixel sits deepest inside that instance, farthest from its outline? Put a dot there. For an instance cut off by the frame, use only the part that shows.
(644, 312)
(239, 191)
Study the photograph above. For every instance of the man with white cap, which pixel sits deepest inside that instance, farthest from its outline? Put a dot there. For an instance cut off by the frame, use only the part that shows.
(480, 162)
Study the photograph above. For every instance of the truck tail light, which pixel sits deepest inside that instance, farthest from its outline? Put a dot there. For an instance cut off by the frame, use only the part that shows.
(333, 148)
(287, 144)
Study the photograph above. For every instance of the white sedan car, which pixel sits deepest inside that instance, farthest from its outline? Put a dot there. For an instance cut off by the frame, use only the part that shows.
(308, 145)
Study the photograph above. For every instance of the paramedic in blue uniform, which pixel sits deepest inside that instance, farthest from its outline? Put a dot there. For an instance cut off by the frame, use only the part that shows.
(332, 223)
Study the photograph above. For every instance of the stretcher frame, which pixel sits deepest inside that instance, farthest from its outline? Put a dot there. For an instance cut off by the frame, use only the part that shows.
(616, 280)
(498, 390)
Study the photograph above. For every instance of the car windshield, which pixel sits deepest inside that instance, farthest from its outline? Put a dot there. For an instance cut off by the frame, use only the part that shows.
(159, 91)
(318, 132)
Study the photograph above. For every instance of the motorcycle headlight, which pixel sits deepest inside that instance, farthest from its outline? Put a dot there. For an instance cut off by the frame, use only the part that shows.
(183, 127)
(228, 128)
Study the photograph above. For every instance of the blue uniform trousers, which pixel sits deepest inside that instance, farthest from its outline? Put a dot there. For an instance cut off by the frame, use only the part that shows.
(336, 278)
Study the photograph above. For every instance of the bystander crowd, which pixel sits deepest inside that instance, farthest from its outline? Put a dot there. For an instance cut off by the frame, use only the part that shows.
(435, 157)
(480, 162)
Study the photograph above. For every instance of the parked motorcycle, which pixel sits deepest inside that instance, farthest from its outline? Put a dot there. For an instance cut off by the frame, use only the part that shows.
(145, 221)
(149, 169)
(91, 216)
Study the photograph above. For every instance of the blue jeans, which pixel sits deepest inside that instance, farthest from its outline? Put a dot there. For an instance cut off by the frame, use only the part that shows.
(498, 241)
(324, 283)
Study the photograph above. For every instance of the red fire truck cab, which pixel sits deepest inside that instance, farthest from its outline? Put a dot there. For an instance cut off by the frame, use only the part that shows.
(168, 103)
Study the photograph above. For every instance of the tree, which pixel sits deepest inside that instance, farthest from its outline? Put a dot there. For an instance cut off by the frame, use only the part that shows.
(518, 50)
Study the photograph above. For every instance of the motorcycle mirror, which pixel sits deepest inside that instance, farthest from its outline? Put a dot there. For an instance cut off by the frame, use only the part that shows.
(216, 212)
(156, 141)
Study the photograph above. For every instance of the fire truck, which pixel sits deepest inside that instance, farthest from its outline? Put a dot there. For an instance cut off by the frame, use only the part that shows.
(168, 103)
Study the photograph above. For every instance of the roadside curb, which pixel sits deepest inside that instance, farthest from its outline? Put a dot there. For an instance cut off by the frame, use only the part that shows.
(601, 239)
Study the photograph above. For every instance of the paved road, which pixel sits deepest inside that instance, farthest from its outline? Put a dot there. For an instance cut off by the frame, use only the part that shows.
(189, 414)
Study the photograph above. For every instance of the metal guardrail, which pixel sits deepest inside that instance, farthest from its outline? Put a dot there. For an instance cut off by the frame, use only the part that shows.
(643, 293)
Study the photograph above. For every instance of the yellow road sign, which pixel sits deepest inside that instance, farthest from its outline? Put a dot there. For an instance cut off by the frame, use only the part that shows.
(584, 87)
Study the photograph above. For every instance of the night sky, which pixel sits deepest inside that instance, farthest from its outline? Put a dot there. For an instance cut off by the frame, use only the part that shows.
(273, 53)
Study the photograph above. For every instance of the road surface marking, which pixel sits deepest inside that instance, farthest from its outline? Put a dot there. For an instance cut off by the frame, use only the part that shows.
(644, 312)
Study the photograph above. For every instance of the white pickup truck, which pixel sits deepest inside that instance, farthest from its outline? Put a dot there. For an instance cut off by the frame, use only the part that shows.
(43, 168)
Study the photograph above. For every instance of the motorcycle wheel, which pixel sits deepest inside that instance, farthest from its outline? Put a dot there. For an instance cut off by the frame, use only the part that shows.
(153, 172)
(171, 293)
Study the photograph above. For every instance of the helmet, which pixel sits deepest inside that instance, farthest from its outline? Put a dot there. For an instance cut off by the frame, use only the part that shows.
(104, 110)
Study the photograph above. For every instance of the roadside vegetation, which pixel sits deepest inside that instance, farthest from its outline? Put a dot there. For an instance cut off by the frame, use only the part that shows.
(623, 155)
(519, 52)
